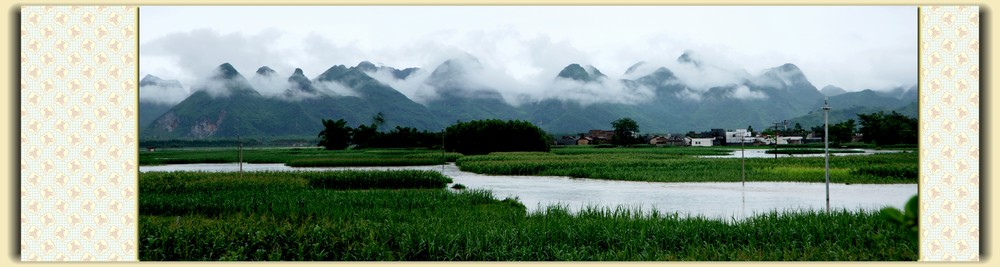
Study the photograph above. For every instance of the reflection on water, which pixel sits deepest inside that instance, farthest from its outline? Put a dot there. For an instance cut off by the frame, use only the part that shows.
(716, 200)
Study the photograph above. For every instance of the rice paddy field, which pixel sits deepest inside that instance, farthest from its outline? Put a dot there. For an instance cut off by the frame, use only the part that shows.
(409, 215)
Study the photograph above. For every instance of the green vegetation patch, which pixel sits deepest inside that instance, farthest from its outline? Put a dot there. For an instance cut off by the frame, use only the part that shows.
(302, 156)
(189, 182)
(642, 165)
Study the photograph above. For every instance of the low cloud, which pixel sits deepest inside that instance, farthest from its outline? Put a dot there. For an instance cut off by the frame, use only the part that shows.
(744, 92)
(163, 94)
(270, 86)
(412, 87)
(334, 89)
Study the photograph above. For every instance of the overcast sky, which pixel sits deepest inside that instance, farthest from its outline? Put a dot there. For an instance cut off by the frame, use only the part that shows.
(851, 47)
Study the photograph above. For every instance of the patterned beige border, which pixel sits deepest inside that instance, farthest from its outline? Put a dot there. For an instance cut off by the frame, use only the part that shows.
(78, 180)
(949, 134)
(78, 125)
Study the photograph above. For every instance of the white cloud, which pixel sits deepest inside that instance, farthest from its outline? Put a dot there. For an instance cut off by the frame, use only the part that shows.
(744, 92)
(529, 44)
(162, 94)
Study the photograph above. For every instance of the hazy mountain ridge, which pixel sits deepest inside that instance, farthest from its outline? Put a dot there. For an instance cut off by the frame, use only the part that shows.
(228, 102)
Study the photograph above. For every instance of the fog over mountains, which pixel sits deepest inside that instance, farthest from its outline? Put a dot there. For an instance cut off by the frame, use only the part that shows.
(668, 97)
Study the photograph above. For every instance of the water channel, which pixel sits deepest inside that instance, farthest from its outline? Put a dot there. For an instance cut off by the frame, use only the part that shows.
(726, 200)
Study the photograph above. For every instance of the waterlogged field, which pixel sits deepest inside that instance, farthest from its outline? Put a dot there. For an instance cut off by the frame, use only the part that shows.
(677, 165)
(300, 157)
(408, 215)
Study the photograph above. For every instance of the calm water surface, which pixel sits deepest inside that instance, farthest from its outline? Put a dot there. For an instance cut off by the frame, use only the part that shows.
(716, 200)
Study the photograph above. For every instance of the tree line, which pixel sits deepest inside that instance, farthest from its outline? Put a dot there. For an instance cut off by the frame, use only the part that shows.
(878, 128)
(337, 135)
(469, 138)
(485, 136)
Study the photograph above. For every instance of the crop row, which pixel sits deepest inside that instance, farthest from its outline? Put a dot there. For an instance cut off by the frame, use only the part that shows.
(878, 168)
(217, 155)
(183, 182)
(346, 162)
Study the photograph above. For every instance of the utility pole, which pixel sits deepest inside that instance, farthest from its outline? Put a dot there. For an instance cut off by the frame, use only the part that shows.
(776, 135)
(826, 148)
(743, 155)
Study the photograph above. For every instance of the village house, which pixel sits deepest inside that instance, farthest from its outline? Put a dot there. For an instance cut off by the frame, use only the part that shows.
(600, 134)
(789, 140)
(739, 135)
(566, 140)
(699, 141)
(584, 141)
(658, 141)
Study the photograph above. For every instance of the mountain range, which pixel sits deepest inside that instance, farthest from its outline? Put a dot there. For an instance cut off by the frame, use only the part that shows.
(229, 104)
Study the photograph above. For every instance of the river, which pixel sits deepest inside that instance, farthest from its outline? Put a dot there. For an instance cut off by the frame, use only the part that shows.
(726, 200)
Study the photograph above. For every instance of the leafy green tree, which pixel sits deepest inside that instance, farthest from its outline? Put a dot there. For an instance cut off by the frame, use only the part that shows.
(485, 136)
(888, 129)
(626, 132)
(365, 135)
(797, 130)
(750, 130)
(336, 135)
(908, 219)
(842, 132)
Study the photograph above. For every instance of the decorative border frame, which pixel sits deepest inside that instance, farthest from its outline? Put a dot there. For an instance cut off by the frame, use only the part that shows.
(78, 165)
(78, 133)
(949, 133)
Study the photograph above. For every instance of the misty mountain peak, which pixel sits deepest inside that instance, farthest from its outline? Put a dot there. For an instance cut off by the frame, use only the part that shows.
(576, 72)
(149, 79)
(634, 67)
(690, 57)
(459, 65)
(265, 71)
(332, 73)
(226, 71)
(367, 66)
(659, 76)
(299, 82)
(789, 67)
(452, 73)
(788, 75)
(831, 90)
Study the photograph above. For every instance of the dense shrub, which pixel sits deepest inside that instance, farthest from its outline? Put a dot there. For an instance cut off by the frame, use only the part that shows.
(485, 136)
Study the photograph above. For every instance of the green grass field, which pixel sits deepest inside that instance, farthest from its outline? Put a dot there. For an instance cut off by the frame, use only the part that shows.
(300, 157)
(666, 165)
(386, 215)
